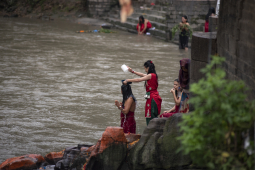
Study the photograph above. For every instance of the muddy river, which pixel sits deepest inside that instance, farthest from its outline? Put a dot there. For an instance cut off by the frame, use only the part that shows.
(57, 87)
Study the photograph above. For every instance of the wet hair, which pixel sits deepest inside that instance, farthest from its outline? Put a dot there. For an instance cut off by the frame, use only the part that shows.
(141, 22)
(185, 16)
(151, 66)
(210, 12)
(127, 93)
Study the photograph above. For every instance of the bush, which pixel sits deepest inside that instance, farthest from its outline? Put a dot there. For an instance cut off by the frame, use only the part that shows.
(213, 135)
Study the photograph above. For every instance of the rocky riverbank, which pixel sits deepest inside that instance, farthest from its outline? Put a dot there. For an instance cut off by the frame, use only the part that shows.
(156, 148)
(43, 8)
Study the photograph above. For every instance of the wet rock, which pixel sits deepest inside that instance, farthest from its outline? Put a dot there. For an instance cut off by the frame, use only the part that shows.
(11, 9)
(106, 26)
(23, 162)
(14, 15)
(80, 146)
(168, 145)
(53, 157)
(69, 154)
(144, 154)
(79, 161)
(110, 151)
(131, 137)
(158, 145)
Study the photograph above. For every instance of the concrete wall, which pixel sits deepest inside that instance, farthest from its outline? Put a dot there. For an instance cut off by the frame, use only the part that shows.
(236, 40)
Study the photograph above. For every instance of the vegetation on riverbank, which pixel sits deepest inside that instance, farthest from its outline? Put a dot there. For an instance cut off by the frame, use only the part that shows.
(36, 7)
(217, 133)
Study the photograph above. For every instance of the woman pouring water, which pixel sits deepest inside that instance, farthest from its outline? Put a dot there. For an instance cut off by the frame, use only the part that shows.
(153, 103)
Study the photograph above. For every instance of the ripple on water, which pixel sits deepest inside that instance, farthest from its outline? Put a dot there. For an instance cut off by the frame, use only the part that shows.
(58, 87)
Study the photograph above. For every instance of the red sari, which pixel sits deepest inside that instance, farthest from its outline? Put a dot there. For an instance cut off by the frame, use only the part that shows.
(171, 113)
(151, 86)
(206, 26)
(128, 122)
(142, 27)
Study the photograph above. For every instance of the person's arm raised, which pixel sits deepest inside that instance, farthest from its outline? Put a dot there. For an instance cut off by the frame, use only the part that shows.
(177, 101)
(145, 78)
(135, 72)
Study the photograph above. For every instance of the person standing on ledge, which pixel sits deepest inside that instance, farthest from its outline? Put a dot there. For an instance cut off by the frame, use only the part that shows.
(153, 103)
(184, 34)
(143, 26)
(211, 12)
(184, 78)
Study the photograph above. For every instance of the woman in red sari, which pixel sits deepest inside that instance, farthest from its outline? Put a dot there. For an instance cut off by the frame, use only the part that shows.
(127, 108)
(143, 26)
(153, 103)
(177, 93)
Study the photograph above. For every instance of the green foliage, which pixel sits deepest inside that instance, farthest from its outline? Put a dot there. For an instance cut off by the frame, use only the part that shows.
(176, 29)
(213, 134)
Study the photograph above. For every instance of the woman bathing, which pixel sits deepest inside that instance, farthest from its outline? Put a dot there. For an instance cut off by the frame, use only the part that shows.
(127, 108)
(143, 26)
(153, 103)
(176, 91)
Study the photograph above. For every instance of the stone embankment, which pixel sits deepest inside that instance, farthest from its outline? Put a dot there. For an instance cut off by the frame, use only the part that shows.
(163, 15)
(156, 148)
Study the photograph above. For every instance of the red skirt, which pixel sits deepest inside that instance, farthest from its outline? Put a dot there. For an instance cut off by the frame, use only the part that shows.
(206, 26)
(142, 27)
(128, 122)
(171, 113)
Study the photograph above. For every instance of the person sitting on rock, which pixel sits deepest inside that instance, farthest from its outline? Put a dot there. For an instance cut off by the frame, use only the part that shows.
(127, 108)
(177, 93)
(143, 26)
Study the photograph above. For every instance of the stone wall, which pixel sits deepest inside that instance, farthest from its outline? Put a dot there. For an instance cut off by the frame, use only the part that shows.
(97, 7)
(236, 40)
(195, 10)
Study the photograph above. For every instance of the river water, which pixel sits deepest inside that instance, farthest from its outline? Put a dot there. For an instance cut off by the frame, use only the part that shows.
(58, 87)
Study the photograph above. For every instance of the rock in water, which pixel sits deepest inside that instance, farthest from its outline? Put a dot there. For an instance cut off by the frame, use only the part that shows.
(158, 145)
(168, 145)
(53, 157)
(145, 153)
(23, 162)
(69, 154)
(110, 151)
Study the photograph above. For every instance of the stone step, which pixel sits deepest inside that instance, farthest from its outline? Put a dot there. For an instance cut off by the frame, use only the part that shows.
(149, 17)
(131, 27)
(160, 8)
(151, 12)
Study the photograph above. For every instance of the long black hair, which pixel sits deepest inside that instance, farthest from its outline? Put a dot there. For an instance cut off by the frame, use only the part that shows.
(141, 22)
(152, 69)
(185, 16)
(210, 12)
(127, 93)
(176, 91)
